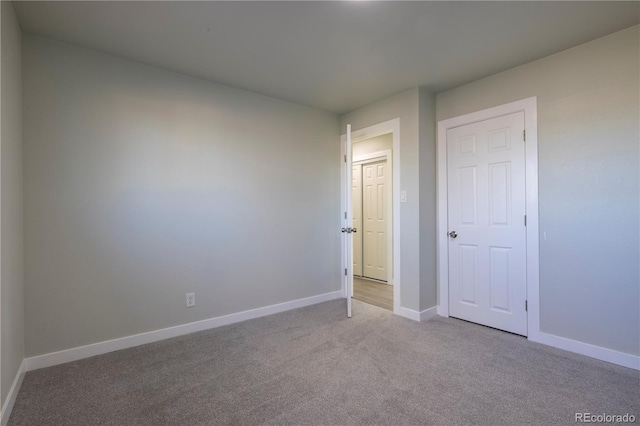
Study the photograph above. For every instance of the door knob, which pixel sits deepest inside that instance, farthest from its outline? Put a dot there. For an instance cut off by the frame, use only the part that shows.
(453, 234)
(344, 229)
(354, 229)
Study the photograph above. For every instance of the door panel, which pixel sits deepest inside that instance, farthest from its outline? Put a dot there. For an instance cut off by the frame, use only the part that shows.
(374, 223)
(499, 278)
(468, 274)
(486, 208)
(499, 194)
(468, 193)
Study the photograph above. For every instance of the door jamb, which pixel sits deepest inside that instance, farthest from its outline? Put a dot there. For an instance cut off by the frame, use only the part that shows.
(393, 127)
(372, 157)
(529, 107)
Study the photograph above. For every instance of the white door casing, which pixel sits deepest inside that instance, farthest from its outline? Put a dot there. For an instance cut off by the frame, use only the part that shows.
(356, 207)
(374, 220)
(486, 217)
(529, 108)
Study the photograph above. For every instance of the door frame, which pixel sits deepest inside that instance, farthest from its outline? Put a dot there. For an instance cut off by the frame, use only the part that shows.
(372, 157)
(529, 107)
(386, 127)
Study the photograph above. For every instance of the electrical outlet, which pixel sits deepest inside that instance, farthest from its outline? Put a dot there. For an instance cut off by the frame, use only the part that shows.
(191, 300)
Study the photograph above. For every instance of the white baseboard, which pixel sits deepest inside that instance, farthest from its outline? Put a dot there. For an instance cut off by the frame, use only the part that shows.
(74, 354)
(417, 316)
(597, 352)
(427, 314)
(408, 313)
(13, 393)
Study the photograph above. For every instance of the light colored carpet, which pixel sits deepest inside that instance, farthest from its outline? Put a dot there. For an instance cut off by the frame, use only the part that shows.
(313, 366)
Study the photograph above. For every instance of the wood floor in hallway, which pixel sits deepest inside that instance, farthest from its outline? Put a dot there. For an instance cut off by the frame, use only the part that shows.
(373, 293)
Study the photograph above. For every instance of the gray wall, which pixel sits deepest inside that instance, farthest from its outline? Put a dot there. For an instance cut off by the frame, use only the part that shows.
(588, 123)
(142, 185)
(11, 244)
(404, 106)
(428, 219)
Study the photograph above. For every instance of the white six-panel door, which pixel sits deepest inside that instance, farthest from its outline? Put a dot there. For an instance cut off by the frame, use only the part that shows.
(486, 223)
(374, 220)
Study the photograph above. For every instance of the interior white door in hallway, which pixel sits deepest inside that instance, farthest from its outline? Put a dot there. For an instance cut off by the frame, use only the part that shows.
(374, 220)
(486, 223)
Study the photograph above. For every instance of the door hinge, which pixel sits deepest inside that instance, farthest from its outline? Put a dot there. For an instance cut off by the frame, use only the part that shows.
(345, 215)
(525, 220)
(526, 306)
(345, 158)
(345, 271)
(524, 135)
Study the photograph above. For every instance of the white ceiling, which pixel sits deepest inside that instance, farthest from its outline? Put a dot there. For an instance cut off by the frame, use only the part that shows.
(335, 56)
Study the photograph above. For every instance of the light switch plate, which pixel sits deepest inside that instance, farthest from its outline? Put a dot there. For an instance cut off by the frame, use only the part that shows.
(403, 196)
(191, 300)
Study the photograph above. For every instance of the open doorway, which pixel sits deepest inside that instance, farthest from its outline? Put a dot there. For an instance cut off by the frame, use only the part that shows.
(372, 216)
(372, 156)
